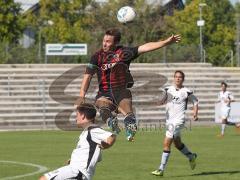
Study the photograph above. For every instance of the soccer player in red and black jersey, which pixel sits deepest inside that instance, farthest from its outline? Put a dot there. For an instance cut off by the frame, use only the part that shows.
(111, 63)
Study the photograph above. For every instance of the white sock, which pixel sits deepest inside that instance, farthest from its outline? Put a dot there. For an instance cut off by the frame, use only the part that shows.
(165, 156)
(223, 129)
(184, 150)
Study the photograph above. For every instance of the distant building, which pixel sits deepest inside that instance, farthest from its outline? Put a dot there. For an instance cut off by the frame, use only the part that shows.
(26, 4)
(28, 35)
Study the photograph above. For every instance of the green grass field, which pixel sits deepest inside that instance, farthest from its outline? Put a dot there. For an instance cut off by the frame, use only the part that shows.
(217, 158)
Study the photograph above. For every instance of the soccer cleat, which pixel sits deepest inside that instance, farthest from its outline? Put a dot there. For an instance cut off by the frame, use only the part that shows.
(131, 131)
(158, 172)
(113, 125)
(220, 136)
(192, 161)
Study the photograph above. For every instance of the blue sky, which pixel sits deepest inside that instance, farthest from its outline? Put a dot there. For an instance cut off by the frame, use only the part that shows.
(234, 1)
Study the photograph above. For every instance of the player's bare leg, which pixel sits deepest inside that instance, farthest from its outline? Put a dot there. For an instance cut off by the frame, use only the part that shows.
(106, 107)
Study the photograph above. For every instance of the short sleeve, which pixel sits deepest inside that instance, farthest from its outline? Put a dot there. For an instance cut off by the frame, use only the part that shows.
(92, 66)
(166, 89)
(130, 53)
(98, 135)
(193, 99)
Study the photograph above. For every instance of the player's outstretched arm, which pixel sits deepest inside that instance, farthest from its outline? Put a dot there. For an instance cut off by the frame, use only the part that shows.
(109, 142)
(151, 46)
(195, 112)
(194, 101)
(84, 88)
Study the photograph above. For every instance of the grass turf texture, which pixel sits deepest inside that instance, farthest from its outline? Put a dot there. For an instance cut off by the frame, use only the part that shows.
(217, 158)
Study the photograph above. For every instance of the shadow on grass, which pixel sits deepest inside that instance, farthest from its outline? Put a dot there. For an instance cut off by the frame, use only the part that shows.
(210, 173)
(215, 172)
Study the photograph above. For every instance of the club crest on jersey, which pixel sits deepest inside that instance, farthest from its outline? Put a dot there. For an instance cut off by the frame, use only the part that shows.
(116, 57)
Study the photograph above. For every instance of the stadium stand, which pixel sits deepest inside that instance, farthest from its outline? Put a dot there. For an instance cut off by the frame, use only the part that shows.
(28, 94)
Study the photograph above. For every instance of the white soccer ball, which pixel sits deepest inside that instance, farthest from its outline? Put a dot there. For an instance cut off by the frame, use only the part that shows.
(126, 14)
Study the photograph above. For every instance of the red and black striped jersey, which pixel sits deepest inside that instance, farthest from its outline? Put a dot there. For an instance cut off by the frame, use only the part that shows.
(112, 67)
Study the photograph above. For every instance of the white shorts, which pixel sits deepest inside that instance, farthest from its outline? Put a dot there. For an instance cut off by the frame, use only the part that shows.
(173, 130)
(65, 172)
(225, 113)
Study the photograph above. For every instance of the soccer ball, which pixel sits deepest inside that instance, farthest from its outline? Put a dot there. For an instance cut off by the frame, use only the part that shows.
(126, 14)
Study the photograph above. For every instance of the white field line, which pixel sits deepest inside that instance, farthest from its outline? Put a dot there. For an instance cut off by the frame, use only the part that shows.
(40, 169)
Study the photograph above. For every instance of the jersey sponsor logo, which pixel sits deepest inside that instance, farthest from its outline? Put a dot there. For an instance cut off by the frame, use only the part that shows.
(114, 58)
(176, 99)
(108, 66)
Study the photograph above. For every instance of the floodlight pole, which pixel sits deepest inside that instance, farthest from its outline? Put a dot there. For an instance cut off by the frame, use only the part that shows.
(39, 43)
(200, 30)
(41, 25)
(238, 41)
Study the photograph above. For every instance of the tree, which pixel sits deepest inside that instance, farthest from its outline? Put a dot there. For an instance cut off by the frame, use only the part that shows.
(11, 23)
(219, 29)
(11, 27)
(68, 20)
(62, 21)
(148, 26)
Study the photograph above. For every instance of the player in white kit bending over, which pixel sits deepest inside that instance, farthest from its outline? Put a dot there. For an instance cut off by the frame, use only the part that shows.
(225, 98)
(175, 118)
(88, 151)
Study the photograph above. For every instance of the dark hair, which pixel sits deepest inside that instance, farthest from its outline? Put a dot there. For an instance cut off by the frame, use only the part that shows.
(88, 110)
(115, 33)
(182, 73)
(223, 83)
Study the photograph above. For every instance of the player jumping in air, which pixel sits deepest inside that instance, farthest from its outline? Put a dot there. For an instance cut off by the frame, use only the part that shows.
(225, 98)
(175, 118)
(111, 64)
(88, 151)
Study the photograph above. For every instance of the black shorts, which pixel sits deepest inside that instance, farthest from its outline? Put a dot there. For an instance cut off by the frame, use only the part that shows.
(116, 95)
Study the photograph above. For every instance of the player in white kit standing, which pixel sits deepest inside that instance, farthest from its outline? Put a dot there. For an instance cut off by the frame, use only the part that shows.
(225, 98)
(175, 118)
(88, 151)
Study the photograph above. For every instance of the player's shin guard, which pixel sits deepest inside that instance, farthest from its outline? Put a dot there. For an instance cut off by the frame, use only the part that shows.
(191, 156)
(164, 160)
(184, 150)
(130, 126)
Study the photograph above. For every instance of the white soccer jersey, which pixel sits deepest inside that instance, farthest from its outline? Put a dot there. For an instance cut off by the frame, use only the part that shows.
(177, 104)
(222, 96)
(87, 153)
